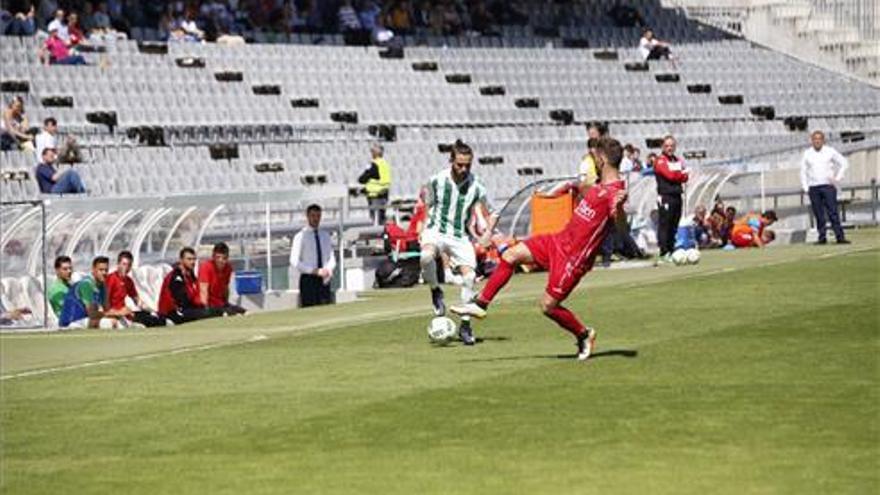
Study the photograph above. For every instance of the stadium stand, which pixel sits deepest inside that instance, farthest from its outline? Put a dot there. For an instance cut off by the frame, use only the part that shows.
(157, 119)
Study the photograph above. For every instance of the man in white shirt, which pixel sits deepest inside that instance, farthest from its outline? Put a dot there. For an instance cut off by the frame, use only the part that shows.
(47, 137)
(820, 180)
(312, 257)
(58, 24)
(650, 48)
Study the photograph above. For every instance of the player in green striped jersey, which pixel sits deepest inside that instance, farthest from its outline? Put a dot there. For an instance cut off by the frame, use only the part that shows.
(454, 197)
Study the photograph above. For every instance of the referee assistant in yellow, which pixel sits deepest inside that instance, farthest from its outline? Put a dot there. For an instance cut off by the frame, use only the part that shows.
(377, 179)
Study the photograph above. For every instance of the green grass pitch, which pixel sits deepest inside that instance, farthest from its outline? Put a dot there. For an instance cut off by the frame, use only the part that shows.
(754, 372)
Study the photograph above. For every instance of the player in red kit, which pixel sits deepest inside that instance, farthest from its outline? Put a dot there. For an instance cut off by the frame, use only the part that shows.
(567, 255)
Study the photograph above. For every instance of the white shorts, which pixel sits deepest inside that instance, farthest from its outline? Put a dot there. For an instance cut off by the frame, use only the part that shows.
(460, 251)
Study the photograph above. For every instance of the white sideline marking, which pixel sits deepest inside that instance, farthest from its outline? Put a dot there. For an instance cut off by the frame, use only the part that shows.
(333, 323)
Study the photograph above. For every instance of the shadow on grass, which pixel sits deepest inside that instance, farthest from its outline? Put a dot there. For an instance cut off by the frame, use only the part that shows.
(456, 343)
(627, 353)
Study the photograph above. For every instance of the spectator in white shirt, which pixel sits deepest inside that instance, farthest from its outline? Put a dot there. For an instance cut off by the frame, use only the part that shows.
(820, 180)
(47, 137)
(59, 25)
(348, 18)
(653, 49)
(312, 257)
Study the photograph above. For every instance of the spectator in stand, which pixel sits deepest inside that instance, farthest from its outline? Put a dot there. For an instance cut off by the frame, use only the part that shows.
(18, 23)
(482, 20)
(179, 298)
(46, 138)
(120, 286)
(61, 285)
(368, 13)
(820, 181)
(85, 303)
(749, 231)
(14, 127)
(76, 37)
(191, 27)
(671, 175)
(53, 181)
(653, 49)
(100, 18)
(444, 19)
(55, 51)
(399, 18)
(347, 18)
(625, 16)
(377, 180)
(57, 24)
(312, 256)
(214, 277)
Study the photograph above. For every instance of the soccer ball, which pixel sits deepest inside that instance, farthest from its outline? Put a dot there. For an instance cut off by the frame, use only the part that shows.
(680, 257)
(441, 330)
(693, 256)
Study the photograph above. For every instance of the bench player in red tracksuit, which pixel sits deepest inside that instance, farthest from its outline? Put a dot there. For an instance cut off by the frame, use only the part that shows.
(567, 255)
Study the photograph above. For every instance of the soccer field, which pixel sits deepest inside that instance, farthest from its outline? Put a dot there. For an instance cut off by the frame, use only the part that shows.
(752, 372)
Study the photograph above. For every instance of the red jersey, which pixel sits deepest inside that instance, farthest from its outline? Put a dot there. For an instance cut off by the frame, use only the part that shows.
(118, 288)
(586, 229)
(218, 282)
(569, 254)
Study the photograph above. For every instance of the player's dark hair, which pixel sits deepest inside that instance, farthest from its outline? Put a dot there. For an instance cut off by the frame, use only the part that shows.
(313, 207)
(125, 255)
(770, 215)
(612, 150)
(221, 248)
(592, 143)
(62, 260)
(668, 136)
(601, 127)
(50, 120)
(100, 260)
(629, 148)
(187, 250)
(459, 147)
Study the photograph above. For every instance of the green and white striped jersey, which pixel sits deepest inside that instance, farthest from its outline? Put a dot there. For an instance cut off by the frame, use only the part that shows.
(451, 205)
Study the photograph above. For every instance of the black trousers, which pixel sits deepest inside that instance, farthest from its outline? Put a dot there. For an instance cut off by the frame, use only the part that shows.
(312, 291)
(148, 319)
(659, 52)
(823, 199)
(670, 215)
(193, 314)
(232, 310)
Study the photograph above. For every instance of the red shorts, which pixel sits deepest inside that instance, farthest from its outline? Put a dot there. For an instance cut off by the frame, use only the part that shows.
(742, 239)
(564, 270)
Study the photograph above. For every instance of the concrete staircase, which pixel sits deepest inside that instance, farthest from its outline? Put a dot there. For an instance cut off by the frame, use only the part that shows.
(840, 35)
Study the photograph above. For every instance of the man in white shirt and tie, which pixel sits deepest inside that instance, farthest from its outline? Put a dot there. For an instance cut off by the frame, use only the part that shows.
(312, 256)
(820, 180)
